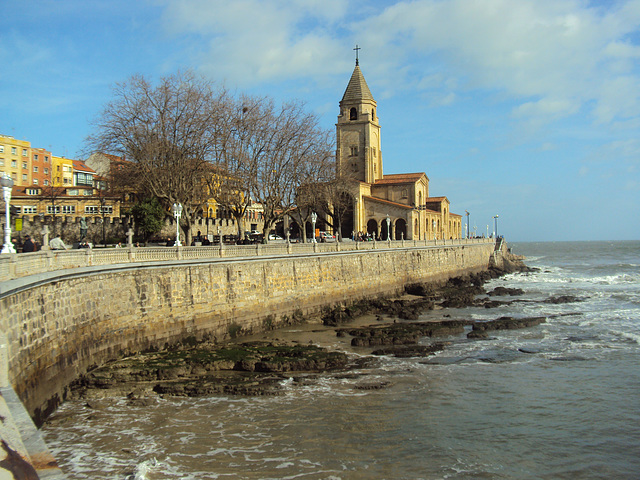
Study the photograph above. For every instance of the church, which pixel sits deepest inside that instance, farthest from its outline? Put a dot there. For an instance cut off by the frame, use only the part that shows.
(396, 205)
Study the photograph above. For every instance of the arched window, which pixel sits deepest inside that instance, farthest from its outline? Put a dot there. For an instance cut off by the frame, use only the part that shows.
(373, 114)
(353, 113)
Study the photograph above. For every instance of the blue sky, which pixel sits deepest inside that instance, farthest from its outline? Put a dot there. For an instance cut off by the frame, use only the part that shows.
(525, 109)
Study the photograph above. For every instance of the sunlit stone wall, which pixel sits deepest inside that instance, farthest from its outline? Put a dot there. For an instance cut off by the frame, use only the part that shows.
(57, 331)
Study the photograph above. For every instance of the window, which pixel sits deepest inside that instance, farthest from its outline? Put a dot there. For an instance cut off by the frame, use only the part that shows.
(24, 152)
(14, 164)
(32, 191)
(88, 193)
(1, 148)
(29, 209)
(405, 193)
(73, 192)
(91, 209)
(46, 182)
(35, 157)
(35, 181)
(24, 177)
(46, 171)
(354, 151)
(14, 151)
(65, 180)
(67, 209)
(46, 159)
(353, 114)
(35, 169)
(24, 165)
(18, 209)
(1, 162)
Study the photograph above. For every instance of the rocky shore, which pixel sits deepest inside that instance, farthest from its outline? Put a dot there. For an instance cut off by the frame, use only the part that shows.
(262, 367)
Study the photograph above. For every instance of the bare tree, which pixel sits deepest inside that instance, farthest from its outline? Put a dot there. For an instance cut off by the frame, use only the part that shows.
(167, 132)
(295, 146)
(240, 148)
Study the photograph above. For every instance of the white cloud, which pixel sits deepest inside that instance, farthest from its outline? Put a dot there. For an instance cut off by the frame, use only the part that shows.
(550, 57)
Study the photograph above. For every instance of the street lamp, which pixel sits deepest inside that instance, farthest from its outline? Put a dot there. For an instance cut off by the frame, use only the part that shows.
(388, 228)
(177, 212)
(495, 218)
(467, 231)
(7, 183)
(434, 230)
(314, 217)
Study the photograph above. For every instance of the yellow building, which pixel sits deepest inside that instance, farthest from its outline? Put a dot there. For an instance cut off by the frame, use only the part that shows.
(397, 205)
(15, 159)
(61, 171)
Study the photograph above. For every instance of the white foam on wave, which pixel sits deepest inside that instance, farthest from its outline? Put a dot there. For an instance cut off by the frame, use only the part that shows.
(144, 468)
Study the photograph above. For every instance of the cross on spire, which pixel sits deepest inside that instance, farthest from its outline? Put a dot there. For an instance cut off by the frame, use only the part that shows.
(356, 49)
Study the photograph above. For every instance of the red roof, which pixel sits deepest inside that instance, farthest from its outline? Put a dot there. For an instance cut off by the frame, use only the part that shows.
(400, 178)
(387, 202)
(82, 167)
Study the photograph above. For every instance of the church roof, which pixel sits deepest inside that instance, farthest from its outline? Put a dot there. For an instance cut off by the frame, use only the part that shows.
(399, 178)
(386, 202)
(357, 88)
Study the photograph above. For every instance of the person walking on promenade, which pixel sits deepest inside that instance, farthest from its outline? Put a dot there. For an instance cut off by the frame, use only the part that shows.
(28, 245)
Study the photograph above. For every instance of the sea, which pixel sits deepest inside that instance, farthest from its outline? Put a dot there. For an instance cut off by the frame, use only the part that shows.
(557, 401)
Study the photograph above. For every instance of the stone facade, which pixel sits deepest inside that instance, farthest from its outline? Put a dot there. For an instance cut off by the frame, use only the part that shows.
(56, 331)
(402, 199)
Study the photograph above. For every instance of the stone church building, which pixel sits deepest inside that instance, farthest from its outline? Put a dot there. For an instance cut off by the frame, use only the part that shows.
(401, 201)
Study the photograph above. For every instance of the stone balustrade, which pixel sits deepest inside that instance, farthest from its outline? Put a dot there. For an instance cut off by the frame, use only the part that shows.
(19, 265)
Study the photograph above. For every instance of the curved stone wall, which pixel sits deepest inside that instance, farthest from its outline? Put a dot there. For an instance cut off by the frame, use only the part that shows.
(58, 330)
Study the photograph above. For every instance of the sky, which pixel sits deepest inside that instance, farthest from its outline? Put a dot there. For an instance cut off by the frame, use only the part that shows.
(525, 109)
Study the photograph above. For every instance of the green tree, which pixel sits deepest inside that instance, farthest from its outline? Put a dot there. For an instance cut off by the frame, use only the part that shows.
(149, 217)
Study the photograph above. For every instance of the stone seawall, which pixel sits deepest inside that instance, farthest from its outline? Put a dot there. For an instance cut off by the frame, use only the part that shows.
(58, 330)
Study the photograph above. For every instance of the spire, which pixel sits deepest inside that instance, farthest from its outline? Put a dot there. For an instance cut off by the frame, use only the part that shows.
(357, 88)
(356, 49)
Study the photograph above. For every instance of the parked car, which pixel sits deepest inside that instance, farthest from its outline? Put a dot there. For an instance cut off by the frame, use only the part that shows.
(273, 236)
(326, 237)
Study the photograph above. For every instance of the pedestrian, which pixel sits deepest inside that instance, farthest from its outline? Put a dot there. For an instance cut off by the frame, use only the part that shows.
(28, 245)
(57, 244)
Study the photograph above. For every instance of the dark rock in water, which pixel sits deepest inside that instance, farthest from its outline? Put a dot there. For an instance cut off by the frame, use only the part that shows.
(563, 299)
(406, 351)
(372, 386)
(206, 370)
(504, 291)
(529, 350)
(494, 303)
(401, 333)
(508, 323)
(478, 334)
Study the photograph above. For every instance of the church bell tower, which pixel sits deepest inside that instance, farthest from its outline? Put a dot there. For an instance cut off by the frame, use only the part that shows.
(358, 132)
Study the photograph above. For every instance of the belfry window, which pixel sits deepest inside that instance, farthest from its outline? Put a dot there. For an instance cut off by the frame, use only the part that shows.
(354, 151)
(353, 114)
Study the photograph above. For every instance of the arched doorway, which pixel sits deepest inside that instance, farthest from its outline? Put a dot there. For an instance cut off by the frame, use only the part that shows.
(372, 228)
(400, 229)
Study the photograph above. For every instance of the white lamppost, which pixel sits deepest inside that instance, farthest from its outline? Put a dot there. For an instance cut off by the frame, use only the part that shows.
(177, 212)
(467, 230)
(314, 218)
(7, 183)
(388, 228)
(495, 219)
